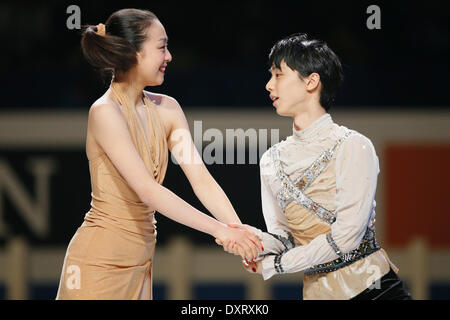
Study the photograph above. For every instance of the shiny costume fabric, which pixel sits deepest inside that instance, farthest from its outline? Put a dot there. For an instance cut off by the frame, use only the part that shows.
(391, 287)
(345, 188)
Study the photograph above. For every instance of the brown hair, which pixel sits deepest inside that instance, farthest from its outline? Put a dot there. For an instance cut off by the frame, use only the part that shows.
(115, 53)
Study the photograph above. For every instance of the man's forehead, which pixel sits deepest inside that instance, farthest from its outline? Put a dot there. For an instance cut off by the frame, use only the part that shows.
(280, 68)
(275, 68)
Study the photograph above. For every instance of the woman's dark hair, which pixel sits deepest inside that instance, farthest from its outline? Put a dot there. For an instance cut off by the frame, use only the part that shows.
(308, 56)
(115, 53)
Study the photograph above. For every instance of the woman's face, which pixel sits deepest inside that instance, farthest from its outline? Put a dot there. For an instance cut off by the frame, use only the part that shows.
(154, 55)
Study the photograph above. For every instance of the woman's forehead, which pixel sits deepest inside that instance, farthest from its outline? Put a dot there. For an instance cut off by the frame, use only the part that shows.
(157, 32)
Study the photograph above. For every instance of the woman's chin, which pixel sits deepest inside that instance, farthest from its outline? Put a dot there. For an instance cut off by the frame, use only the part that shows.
(155, 82)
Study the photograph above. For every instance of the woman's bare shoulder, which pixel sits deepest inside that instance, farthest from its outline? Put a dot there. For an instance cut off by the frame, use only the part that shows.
(162, 100)
(103, 100)
(106, 103)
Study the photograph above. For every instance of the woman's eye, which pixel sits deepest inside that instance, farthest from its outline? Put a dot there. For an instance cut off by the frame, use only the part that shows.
(277, 75)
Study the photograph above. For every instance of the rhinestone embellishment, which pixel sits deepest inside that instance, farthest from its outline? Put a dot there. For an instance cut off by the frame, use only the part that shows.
(294, 191)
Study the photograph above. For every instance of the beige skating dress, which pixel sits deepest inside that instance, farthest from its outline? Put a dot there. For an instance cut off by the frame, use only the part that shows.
(110, 256)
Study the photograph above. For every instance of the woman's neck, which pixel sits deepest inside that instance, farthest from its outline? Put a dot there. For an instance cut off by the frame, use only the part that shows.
(133, 91)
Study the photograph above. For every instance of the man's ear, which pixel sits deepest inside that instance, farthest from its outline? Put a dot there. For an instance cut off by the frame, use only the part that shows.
(312, 81)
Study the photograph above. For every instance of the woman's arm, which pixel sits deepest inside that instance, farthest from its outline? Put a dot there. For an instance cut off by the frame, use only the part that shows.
(207, 190)
(278, 238)
(110, 131)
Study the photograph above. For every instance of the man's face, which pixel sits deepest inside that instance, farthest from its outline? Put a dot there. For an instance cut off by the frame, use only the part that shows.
(287, 90)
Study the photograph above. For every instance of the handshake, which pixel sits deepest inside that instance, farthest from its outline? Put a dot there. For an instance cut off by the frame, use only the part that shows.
(246, 241)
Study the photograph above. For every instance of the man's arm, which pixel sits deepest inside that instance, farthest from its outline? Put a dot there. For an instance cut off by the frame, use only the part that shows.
(356, 179)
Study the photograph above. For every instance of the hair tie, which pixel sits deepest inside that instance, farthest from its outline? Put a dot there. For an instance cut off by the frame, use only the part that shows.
(101, 29)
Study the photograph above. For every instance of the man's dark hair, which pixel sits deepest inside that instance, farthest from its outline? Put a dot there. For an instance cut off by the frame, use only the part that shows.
(308, 56)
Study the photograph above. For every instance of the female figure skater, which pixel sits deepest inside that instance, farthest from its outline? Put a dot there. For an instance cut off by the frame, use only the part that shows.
(318, 186)
(129, 132)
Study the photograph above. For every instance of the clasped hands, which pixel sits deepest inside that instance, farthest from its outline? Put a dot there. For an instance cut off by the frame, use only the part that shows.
(247, 247)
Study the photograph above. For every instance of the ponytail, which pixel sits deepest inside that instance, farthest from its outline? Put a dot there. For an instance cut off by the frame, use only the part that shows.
(107, 53)
(112, 48)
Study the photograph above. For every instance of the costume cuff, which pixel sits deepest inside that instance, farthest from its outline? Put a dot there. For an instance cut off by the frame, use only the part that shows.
(268, 267)
(271, 244)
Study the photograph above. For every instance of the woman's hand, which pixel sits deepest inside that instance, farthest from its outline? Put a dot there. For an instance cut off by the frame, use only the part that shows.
(252, 267)
(232, 247)
(239, 241)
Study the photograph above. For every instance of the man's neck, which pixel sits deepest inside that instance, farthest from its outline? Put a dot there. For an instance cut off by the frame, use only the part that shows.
(305, 118)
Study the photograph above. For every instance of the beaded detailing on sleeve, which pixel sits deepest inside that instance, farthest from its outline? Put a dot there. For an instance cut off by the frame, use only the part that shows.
(334, 245)
(288, 242)
(277, 263)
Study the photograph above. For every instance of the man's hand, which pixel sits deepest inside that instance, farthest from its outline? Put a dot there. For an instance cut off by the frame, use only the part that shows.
(234, 248)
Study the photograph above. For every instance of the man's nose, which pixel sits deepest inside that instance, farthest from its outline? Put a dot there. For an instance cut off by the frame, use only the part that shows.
(269, 85)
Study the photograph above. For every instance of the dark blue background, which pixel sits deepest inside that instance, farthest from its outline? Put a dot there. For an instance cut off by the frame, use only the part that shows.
(220, 50)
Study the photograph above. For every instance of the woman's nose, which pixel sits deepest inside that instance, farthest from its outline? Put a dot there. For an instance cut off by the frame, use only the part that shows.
(168, 56)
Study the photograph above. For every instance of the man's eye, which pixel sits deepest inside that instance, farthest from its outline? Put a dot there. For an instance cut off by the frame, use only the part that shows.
(277, 75)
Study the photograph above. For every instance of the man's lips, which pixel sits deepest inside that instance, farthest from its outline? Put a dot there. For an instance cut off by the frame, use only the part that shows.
(274, 99)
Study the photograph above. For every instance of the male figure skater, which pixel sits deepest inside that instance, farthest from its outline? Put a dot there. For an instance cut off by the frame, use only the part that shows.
(318, 186)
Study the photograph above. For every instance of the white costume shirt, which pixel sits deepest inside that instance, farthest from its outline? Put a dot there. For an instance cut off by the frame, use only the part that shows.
(355, 171)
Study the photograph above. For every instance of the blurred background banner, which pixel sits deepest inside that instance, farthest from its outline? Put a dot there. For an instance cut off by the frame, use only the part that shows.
(395, 92)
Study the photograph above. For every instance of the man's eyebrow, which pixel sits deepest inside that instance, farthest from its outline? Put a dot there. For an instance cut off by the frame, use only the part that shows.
(164, 39)
(272, 69)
